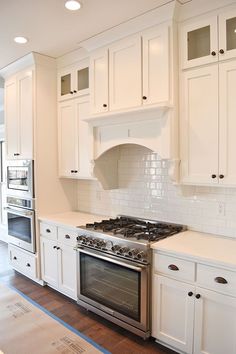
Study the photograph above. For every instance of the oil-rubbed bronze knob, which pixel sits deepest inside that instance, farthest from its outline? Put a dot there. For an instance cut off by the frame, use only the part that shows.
(144, 97)
(221, 176)
(190, 293)
(173, 267)
(104, 105)
(220, 280)
(71, 92)
(213, 176)
(198, 296)
(222, 51)
(213, 53)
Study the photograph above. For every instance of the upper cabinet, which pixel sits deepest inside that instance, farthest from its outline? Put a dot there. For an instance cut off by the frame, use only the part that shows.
(208, 39)
(19, 115)
(73, 81)
(131, 73)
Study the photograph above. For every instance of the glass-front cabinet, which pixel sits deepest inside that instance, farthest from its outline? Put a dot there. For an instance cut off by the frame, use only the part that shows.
(73, 81)
(207, 40)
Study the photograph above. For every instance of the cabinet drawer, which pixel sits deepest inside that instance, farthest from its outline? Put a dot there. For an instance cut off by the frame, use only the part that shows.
(174, 267)
(48, 230)
(68, 237)
(22, 261)
(217, 279)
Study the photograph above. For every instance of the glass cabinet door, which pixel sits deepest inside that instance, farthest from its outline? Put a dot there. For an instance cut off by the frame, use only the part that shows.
(82, 79)
(199, 43)
(227, 35)
(65, 85)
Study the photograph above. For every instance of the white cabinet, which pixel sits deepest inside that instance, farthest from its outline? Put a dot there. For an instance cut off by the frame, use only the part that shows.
(215, 323)
(19, 115)
(132, 73)
(75, 139)
(199, 125)
(73, 81)
(125, 77)
(173, 313)
(58, 259)
(208, 39)
(207, 119)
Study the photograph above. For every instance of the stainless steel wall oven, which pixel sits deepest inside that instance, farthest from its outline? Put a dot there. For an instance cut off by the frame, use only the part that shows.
(20, 178)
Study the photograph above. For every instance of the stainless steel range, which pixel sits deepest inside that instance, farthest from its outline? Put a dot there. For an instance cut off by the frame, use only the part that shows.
(114, 259)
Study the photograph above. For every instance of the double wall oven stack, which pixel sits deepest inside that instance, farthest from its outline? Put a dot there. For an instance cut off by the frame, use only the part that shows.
(114, 265)
(21, 204)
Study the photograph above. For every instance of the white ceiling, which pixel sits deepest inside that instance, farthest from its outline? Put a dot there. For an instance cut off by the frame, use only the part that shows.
(52, 30)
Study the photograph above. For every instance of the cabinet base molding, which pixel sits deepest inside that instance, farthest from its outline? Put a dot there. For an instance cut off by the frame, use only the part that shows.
(59, 291)
(169, 346)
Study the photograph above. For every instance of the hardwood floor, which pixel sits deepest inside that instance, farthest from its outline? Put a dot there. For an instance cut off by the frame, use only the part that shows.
(108, 335)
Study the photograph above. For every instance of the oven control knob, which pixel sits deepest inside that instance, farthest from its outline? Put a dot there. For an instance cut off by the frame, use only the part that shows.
(109, 245)
(133, 253)
(91, 241)
(124, 250)
(115, 248)
(142, 255)
(81, 238)
(100, 243)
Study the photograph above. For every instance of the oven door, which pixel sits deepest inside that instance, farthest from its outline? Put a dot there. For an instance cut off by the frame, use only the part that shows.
(21, 228)
(20, 178)
(117, 287)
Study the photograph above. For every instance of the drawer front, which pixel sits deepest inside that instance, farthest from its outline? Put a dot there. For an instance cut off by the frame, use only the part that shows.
(68, 237)
(217, 279)
(174, 267)
(48, 230)
(22, 261)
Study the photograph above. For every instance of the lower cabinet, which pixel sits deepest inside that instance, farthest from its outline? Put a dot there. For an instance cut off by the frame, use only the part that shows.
(22, 261)
(193, 319)
(59, 266)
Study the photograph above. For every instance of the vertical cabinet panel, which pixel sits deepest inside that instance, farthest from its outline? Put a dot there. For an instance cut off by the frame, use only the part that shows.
(98, 78)
(227, 35)
(49, 261)
(199, 126)
(199, 42)
(68, 139)
(227, 122)
(156, 65)
(12, 122)
(215, 323)
(25, 106)
(125, 79)
(67, 270)
(173, 313)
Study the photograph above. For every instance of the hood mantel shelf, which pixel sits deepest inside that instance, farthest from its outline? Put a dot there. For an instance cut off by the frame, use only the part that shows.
(145, 113)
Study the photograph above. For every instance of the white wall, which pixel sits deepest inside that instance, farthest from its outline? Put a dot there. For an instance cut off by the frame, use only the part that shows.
(146, 191)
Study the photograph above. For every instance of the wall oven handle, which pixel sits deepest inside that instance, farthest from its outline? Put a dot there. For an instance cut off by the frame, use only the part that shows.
(19, 211)
(122, 262)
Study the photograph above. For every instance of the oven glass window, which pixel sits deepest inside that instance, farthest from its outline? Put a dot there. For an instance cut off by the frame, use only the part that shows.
(19, 227)
(112, 285)
(18, 178)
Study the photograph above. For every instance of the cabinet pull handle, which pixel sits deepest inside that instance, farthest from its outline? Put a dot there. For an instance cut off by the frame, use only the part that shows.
(16, 154)
(27, 265)
(213, 53)
(173, 267)
(71, 92)
(104, 105)
(221, 176)
(144, 97)
(54, 247)
(222, 51)
(75, 91)
(213, 176)
(15, 258)
(58, 248)
(220, 280)
(48, 231)
(75, 171)
(67, 236)
(198, 296)
(190, 293)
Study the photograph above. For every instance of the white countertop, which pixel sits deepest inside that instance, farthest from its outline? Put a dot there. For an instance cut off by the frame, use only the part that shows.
(204, 247)
(72, 218)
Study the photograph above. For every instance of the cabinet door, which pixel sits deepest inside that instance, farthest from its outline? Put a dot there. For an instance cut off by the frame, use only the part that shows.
(68, 139)
(125, 74)
(67, 270)
(98, 81)
(81, 79)
(215, 323)
(156, 65)
(85, 137)
(199, 42)
(65, 84)
(49, 264)
(11, 119)
(173, 313)
(227, 35)
(227, 114)
(199, 126)
(25, 113)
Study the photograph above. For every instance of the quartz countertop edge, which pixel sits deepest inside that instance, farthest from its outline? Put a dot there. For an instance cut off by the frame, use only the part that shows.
(72, 219)
(200, 247)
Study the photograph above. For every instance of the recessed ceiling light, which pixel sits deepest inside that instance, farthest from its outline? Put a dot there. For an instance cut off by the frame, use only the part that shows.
(21, 40)
(73, 5)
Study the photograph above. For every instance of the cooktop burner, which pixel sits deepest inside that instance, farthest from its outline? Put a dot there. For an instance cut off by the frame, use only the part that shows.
(136, 228)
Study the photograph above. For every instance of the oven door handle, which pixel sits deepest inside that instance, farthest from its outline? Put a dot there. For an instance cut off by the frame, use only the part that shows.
(19, 212)
(123, 263)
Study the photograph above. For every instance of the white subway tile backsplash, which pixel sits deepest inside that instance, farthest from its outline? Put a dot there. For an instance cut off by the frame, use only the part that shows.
(146, 191)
